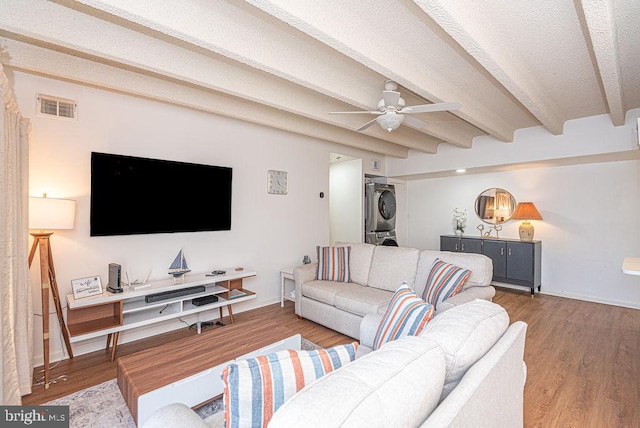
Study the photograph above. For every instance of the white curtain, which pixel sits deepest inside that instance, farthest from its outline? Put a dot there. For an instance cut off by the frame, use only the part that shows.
(16, 323)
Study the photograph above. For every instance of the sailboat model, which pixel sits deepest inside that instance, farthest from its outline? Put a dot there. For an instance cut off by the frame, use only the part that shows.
(179, 266)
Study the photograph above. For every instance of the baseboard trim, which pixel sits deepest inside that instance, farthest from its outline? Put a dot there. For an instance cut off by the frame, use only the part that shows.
(574, 296)
(593, 299)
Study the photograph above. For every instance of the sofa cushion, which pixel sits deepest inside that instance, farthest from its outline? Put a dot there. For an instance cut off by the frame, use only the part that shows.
(359, 261)
(392, 266)
(466, 333)
(406, 315)
(445, 280)
(256, 387)
(326, 291)
(481, 268)
(333, 264)
(396, 386)
(361, 300)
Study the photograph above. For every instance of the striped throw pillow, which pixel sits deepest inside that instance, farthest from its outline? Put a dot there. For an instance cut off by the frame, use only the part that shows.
(255, 388)
(444, 281)
(406, 315)
(333, 264)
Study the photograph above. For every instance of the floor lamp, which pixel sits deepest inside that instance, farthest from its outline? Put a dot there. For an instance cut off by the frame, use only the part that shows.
(49, 214)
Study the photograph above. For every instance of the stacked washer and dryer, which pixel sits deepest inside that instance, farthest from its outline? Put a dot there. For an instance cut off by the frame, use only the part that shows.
(380, 214)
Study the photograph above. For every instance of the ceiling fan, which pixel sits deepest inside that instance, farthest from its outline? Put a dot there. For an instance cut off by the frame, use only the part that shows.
(392, 111)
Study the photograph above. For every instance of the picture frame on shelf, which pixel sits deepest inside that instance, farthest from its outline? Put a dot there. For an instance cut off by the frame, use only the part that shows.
(86, 287)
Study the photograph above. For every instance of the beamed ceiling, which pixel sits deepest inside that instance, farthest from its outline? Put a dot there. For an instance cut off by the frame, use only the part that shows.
(288, 63)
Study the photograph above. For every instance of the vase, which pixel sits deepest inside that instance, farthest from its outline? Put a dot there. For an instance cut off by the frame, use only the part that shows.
(458, 232)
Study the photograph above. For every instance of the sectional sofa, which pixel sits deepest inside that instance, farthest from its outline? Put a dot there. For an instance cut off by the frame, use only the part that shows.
(376, 272)
(465, 369)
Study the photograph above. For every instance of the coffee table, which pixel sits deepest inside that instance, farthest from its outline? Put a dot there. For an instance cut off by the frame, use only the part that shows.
(189, 370)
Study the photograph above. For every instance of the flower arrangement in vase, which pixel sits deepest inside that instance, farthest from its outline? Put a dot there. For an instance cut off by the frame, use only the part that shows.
(459, 220)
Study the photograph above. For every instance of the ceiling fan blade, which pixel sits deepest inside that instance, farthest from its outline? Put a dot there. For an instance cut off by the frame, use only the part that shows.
(426, 108)
(391, 98)
(357, 112)
(366, 125)
(415, 123)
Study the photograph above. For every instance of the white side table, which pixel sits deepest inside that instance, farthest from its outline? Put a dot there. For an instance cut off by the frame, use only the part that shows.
(631, 265)
(285, 273)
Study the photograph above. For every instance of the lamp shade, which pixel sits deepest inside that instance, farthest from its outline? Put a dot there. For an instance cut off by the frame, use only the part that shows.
(390, 122)
(526, 211)
(51, 213)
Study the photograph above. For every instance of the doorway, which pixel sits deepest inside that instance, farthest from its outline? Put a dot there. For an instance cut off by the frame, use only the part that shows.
(346, 185)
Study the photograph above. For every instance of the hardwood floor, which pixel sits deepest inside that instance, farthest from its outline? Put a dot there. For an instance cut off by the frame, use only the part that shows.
(583, 359)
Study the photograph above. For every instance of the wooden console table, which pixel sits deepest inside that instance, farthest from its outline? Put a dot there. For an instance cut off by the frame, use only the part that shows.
(109, 314)
(188, 370)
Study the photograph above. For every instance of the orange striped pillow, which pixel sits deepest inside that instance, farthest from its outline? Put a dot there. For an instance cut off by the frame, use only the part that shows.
(406, 315)
(333, 264)
(445, 280)
(255, 388)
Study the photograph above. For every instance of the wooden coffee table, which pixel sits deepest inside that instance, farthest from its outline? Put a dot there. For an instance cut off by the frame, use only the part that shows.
(188, 370)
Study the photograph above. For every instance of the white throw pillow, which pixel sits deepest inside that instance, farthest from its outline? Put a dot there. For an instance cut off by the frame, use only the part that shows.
(465, 333)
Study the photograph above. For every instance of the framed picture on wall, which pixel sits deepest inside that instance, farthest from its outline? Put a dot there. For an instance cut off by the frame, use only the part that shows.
(86, 287)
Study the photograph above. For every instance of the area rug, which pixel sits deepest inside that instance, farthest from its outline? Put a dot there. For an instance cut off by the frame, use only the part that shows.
(102, 406)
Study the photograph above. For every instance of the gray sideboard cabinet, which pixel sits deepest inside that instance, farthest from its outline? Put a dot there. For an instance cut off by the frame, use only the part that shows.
(514, 262)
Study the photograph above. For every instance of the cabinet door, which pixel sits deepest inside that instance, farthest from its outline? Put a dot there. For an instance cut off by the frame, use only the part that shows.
(450, 243)
(497, 252)
(469, 245)
(520, 261)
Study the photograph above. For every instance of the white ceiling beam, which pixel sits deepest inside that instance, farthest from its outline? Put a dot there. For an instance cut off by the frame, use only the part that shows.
(43, 61)
(501, 64)
(135, 52)
(371, 46)
(284, 53)
(601, 27)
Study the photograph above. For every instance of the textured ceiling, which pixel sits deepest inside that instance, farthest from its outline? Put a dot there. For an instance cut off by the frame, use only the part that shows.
(288, 63)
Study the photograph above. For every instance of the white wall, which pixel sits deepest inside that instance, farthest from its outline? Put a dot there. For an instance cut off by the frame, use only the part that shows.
(346, 188)
(267, 233)
(590, 212)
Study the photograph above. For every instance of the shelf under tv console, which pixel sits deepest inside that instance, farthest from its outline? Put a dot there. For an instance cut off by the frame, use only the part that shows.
(109, 313)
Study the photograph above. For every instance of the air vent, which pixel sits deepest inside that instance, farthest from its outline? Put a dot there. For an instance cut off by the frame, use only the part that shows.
(57, 107)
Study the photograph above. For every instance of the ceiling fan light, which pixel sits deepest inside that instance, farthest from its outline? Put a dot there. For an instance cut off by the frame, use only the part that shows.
(390, 121)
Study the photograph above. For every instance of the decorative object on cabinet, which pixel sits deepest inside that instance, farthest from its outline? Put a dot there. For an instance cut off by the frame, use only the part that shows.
(179, 266)
(526, 211)
(277, 182)
(495, 205)
(480, 227)
(514, 262)
(497, 228)
(49, 214)
(86, 287)
(459, 221)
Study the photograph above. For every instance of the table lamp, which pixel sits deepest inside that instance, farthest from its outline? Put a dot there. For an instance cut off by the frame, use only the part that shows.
(49, 214)
(526, 211)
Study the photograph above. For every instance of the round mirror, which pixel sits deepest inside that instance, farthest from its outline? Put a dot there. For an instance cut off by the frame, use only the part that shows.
(495, 205)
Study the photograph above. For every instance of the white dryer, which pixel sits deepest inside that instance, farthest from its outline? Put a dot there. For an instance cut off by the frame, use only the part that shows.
(380, 207)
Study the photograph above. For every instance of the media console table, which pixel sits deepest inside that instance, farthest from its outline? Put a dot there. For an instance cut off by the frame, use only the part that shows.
(109, 314)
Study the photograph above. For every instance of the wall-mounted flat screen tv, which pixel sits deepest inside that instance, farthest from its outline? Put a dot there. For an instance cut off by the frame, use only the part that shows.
(133, 195)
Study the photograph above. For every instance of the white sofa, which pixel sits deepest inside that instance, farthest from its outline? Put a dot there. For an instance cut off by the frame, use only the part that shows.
(465, 369)
(376, 273)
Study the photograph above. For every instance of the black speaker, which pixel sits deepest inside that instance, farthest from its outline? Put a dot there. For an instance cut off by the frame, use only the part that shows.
(115, 284)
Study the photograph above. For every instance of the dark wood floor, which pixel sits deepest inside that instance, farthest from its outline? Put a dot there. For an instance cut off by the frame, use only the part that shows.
(583, 359)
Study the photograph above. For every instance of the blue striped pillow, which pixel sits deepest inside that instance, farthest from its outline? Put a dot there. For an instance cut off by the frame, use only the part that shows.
(333, 264)
(444, 281)
(255, 388)
(406, 315)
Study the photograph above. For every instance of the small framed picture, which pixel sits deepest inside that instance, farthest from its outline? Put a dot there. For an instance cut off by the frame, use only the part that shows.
(86, 287)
